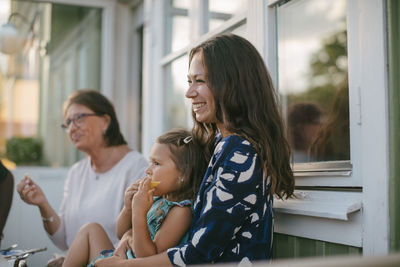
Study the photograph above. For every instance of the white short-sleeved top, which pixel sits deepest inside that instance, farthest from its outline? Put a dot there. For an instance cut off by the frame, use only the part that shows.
(96, 197)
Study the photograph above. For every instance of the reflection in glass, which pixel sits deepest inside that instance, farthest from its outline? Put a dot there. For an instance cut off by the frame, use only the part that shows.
(312, 78)
(220, 11)
(176, 105)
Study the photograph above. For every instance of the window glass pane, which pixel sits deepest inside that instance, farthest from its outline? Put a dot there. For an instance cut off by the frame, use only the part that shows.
(176, 105)
(241, 30)
(312, 78)
(181, 3)
(177, 26)
(220, 11)
(60, 55)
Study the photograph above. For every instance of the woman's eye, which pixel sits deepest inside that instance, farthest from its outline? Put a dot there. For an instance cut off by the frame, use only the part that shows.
(199, 81)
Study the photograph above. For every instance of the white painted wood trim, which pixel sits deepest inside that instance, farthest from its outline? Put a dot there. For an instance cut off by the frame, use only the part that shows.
(153, 100)
(121, 87)
(107, 49)
(256, 14)
(369, 21)
(348, 232)
(322, 204)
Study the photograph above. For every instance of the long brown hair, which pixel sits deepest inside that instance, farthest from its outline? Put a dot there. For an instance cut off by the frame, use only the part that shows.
(247, 105)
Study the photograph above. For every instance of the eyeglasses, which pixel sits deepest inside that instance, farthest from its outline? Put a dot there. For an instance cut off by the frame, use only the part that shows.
(78, 120)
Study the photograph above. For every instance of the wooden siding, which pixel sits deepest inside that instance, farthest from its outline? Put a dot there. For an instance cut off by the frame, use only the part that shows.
(286, 246)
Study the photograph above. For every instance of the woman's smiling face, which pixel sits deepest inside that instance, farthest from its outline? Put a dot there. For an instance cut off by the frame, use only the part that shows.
(203, 103)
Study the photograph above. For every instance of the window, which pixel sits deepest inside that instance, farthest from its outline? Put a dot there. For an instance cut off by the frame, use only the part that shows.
(63, 55)
(312, 78)
(176, 86)
(313, 82)
(182, 17)
(219, 11)
(177, 26)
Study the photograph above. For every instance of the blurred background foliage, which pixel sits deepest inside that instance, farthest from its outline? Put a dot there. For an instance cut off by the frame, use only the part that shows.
(24, 150)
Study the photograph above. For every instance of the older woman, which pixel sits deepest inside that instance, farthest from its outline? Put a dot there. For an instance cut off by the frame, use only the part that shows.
(95, 186)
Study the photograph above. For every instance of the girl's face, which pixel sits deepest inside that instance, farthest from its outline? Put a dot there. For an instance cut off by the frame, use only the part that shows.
(203, 103)
(85, 132)
(163, 169)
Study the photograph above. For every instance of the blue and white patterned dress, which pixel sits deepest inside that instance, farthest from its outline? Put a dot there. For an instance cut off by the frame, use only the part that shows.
(233, 217)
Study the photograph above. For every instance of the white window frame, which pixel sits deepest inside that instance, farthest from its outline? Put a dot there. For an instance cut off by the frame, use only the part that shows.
(107, 40)
(339, 173)
(115, 64)
(368, 225)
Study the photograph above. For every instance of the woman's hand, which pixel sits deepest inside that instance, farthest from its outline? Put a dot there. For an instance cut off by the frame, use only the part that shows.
(143, 199)
(30, 192)
(111, 262)
(124, 245)
(129, 193)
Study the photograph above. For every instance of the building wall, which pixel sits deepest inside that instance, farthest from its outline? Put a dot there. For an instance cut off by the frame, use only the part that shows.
(286, 246)
(394, 126)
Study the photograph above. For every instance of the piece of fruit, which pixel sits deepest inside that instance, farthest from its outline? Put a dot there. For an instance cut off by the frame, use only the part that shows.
(154, 184)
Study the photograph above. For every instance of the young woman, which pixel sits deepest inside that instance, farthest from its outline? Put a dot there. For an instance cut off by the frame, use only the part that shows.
(236, 113)
(176, 169)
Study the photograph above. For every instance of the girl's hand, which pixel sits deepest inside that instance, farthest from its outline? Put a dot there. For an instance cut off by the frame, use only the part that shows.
(111, 262)
(124, 245)
(129, 193)
(143, 199)
(30, 192)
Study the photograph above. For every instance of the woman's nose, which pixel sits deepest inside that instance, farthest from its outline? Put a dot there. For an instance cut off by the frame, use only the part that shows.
(191, 92)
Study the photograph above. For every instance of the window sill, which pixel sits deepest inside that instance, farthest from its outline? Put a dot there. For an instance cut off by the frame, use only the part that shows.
(323, 204)
(330, 216)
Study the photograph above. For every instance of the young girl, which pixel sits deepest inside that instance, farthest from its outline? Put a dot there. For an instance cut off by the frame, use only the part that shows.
(235, 110)
(158, 208)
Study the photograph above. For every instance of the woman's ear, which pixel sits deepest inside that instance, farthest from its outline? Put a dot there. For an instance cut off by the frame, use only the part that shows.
(107, 120)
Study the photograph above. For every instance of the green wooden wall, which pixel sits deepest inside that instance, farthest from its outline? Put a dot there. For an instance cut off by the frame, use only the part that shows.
(286, 246)
(393, 15)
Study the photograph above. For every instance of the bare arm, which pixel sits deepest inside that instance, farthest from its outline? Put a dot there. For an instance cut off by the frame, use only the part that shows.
(32, 194)
(174, 227)
(124, 220)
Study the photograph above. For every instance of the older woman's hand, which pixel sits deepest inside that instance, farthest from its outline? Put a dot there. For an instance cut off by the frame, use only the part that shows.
(30, 192)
